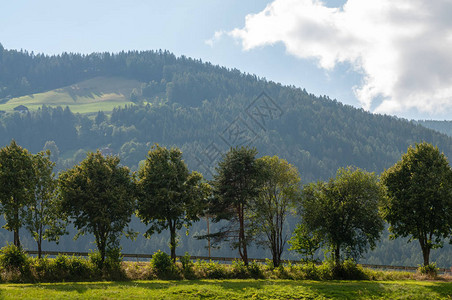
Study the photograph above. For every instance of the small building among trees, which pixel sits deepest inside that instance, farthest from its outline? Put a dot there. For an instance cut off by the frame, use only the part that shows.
(21, 108)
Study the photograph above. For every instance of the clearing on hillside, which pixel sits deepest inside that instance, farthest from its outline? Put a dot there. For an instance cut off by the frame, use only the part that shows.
(92, 95)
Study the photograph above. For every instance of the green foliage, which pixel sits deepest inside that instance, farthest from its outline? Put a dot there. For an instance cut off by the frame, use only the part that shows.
(239, 269)
(169, 195)
(420, 197)
(187, 265)
(345, 211)
(255, 270)
(63, 268)
(430, 270)
(110, 267)
(278, 195)
(163, 265)
(210, 270)
(16, 186)
(13, 258)
(43, 217)
(305, 242)
(98, 194)
(235, 186)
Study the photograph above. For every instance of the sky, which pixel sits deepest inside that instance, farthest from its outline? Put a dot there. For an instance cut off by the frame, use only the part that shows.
(385, 56)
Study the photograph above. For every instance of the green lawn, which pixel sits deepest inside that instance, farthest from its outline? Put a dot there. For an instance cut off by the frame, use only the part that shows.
(100, 93)
(231, 289)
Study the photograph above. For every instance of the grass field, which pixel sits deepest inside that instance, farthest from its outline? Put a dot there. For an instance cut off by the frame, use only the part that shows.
(231, 289)
(100, 93)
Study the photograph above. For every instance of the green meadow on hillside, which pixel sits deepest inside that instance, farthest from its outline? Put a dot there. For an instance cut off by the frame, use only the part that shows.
(92, 95)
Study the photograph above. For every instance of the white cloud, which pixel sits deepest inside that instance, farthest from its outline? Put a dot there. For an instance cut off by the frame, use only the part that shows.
(403, 48)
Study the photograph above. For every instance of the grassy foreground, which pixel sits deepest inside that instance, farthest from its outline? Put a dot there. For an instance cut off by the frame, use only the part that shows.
(231, 289)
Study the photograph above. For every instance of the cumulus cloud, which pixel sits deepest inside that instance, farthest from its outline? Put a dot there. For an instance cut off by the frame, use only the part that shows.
(403, 48)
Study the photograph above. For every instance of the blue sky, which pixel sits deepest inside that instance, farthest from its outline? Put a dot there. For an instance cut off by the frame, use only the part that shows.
(323, 49)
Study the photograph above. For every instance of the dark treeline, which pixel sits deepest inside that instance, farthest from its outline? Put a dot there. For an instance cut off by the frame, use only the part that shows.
(192, 105)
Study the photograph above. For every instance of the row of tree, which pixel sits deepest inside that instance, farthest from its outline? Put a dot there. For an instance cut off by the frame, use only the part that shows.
(253, 195)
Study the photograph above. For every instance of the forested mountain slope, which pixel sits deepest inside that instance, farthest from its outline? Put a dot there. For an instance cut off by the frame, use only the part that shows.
(440, 126)
(203, 109)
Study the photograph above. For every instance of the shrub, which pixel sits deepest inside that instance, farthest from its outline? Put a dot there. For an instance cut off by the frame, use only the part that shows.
(186, 262)
(430, 270)
(239, 270)
(210, 270)
(96, 259)
(13, 258)
(113, 259)
(310, 271)
(163, 265)
(255, 270)
(269, 264)
(187, 265)
(352, 271)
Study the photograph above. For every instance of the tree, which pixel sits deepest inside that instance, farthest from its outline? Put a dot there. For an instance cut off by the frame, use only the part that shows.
(169, 196)
(278, 194)
(98, 195)
(43, 213)
(420, 199)
(235, 186)
(16, 186)
(345, 211)
(305, 242)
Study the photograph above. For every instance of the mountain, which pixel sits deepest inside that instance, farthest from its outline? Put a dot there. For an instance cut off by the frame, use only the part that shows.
(440, 126)
(201, 108)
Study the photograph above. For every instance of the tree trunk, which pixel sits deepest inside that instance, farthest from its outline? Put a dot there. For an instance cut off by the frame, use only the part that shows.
(39, 249)
(16, 229)
(16, 238)
(173, 240)
(426, 254)
(242, 240)
(337, 256)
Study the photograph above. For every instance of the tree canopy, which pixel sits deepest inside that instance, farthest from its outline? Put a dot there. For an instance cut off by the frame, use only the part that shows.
(99, 197)
(43, 214)
(345, 211)
(420, 197)
(169, 195)
(235, 185)
(278, 196)
(16, 186)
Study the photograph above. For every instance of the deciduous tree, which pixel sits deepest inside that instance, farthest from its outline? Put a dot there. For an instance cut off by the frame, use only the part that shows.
(279, 192)
(16, 186)
(169, 195)
(420, 197)
(345, 211)
(98, 196)
(43, 216)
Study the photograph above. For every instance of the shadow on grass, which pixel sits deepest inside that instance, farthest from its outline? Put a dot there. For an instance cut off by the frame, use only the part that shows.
(277, 288)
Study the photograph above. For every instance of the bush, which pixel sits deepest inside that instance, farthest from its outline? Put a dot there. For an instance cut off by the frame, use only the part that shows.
(96, 259)
(13, 258)
(310, 271)
(187, 265)
(163, 265)
(111, 267)
(430, 270)
(269, 264)
(352, 271)
(255, 270)
(186, 262)
(210, 270)
(239, 270)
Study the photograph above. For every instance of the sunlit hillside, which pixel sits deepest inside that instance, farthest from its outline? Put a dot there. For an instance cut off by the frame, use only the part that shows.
(92, 95)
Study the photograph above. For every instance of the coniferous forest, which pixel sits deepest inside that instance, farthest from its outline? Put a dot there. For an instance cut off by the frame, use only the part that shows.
(203, 110)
